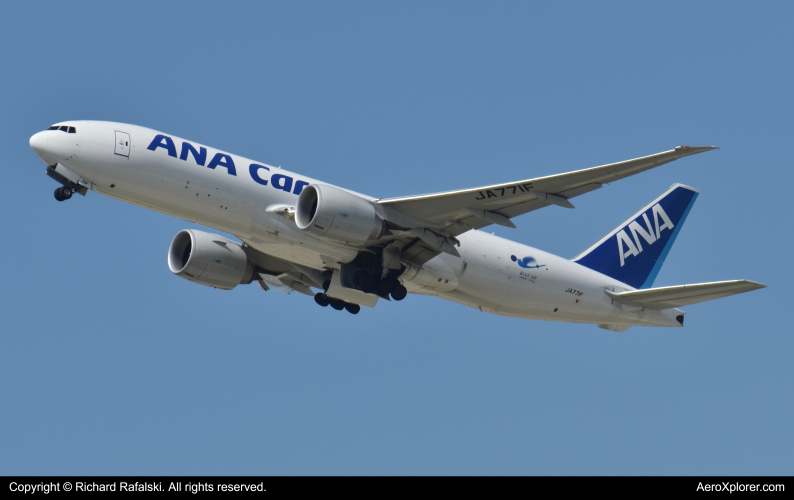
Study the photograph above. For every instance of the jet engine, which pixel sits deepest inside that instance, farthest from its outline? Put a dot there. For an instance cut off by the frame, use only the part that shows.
(334, 214)
(209, 260)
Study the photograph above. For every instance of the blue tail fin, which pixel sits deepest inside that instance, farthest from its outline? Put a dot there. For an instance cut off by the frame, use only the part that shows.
(634, 251)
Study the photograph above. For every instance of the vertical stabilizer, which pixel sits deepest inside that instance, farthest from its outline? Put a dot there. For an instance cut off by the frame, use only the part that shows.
(634, 251)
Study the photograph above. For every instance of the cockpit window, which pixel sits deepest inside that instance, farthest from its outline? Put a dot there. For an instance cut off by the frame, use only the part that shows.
(65, 128)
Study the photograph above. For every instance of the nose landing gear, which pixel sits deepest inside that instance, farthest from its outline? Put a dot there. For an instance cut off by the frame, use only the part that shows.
(63, 193)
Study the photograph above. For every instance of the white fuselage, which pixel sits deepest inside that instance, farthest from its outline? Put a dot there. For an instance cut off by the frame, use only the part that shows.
(239, 196)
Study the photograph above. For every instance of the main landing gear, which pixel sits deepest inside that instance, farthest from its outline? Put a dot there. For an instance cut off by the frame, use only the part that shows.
(383, 287)
(325, 301)
(366, 274)
(63, 193)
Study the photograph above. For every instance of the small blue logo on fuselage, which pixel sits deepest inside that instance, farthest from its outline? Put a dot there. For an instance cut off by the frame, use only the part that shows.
(526, 261)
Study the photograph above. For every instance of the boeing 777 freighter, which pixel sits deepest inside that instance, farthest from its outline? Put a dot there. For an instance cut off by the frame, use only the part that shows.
(298, 234)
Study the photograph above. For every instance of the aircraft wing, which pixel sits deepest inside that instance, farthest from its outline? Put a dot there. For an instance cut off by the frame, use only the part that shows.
(459, 211)
(677, 296)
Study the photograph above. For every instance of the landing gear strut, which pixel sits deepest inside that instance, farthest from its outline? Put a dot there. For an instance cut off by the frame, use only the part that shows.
(63, 193)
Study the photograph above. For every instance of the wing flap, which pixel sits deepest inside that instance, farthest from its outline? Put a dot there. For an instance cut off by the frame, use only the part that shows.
(683, 295)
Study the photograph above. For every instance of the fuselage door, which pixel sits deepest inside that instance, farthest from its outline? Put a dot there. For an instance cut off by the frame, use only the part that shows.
(122, 144)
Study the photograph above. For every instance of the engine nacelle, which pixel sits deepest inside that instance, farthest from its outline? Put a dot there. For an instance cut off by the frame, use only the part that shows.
(334, 214)
(209, 259)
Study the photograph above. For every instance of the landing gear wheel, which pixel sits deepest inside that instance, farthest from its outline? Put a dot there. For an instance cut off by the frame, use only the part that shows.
(399, 292)
(384, 287)
(370, 284)
(352, 308)
(63, 193)
(322, 299)
(337, 304)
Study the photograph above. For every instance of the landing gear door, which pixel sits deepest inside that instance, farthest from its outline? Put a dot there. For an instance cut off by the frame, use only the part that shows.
(337, 291)
(122, 144)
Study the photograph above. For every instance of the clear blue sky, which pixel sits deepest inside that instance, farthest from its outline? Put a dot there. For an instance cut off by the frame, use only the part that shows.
(109, 364)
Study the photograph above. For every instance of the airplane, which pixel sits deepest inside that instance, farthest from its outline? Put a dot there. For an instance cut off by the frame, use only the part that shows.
(300, 235)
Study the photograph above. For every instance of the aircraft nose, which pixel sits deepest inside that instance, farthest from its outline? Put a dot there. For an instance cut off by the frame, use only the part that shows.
(38, 143)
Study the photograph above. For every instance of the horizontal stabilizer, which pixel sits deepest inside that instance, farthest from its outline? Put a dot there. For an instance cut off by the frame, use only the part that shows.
(683, 295)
